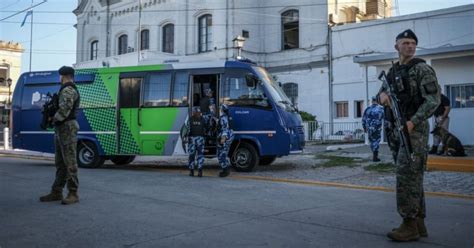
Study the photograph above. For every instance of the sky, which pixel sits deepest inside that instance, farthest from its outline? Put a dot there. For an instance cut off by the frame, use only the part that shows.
(54, 44)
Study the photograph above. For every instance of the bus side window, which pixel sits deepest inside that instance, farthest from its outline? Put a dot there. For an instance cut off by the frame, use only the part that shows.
(180, 89)
(157, 90)
(236, 92)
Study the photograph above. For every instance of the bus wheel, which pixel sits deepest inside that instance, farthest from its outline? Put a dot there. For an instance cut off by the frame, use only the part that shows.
(88, 155)
(244, 157)
(122, 160)
(267, 160)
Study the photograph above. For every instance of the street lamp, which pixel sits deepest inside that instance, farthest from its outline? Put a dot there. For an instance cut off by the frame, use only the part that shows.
(239, 44)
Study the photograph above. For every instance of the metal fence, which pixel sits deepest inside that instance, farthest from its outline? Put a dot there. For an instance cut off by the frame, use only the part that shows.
(337, 132)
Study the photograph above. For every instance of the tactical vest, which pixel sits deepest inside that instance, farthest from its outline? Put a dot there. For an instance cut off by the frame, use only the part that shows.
(197, 126)
(409, 101)
(73, 113)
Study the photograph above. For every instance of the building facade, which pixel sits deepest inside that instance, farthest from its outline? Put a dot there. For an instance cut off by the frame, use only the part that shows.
(10, 67)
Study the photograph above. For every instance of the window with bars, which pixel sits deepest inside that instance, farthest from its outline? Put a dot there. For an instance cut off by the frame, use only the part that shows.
(291, 90)
(290, 29)
(94, 50)
(342, 109)
(205, 33)
(461, 96)
(168, 38)
(122, 44)
(359, 109)
(145, 39)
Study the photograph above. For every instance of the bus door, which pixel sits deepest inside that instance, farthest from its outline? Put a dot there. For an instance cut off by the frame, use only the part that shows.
(128, 114)
(201, 81)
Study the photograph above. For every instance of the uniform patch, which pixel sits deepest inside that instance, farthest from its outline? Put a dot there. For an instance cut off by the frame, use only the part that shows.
(430, 88)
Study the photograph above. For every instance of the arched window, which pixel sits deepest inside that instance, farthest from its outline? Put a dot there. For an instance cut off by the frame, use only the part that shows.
(290, 29)
(122, 44)
(94, 50)
(145, 39)
(291, 90)
(205, 33)
(168, 38)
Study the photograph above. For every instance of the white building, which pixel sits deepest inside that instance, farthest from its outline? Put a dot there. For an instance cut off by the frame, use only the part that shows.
(10, 66)
(446, 42)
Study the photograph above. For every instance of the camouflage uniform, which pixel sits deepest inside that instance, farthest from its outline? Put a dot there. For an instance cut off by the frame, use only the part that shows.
(223, 149)
(372, 122)
(65, 139)
(418, 101)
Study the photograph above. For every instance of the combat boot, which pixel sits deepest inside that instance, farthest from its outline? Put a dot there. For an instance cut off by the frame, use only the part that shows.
(434, 150)
(376, 157)
(191, 173)
(420, 222)
(225, 172)
(71, 198)
(199, 172)
(408, 231)
(53, 196)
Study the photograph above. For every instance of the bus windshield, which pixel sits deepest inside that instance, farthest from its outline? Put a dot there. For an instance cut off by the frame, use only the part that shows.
(274, 89)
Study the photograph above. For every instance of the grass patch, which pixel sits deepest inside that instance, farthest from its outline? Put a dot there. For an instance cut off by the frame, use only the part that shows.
(333, 161)
(381, 167)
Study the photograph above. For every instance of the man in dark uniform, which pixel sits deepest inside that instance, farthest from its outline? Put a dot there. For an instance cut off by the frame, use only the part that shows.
(196, 126)
(419, 95)
(441, 119)
(65, 140)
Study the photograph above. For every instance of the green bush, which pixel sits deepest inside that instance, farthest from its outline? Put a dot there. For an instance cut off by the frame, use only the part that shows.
(307, 116)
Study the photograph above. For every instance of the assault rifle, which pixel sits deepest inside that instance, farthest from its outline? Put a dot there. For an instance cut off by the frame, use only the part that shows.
(399, 120)
(50, 107)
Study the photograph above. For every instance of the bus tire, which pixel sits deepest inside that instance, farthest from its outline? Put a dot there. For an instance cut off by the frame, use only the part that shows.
(267, 160)
(122, 160)
(88, 155)
(244, 157)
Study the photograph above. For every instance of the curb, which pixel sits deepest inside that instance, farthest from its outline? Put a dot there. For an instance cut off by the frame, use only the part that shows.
(450, 164)
(346, 186)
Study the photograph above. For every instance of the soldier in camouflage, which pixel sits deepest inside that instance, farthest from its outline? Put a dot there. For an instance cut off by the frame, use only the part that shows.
(419, 96)
(196, 126)
(224, 140)
(65, 140)
(372, 124)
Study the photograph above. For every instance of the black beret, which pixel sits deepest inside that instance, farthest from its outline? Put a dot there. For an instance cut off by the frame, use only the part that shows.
(407, 34)
(66, 70)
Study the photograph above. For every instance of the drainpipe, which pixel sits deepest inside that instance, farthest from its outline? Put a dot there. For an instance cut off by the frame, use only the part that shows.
(226, 30)
(367, 97)
(186, 19)
(331, 79)
(107, 32)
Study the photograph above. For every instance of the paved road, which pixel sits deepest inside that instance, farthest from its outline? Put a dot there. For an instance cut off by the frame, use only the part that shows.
(159, 208)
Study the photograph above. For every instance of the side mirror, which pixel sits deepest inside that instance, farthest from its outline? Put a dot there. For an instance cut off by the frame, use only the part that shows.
(251, 80)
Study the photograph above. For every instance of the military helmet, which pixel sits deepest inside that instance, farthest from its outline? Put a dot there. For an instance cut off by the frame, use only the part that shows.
(196, 109)
(208, 91)
(224, 108)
